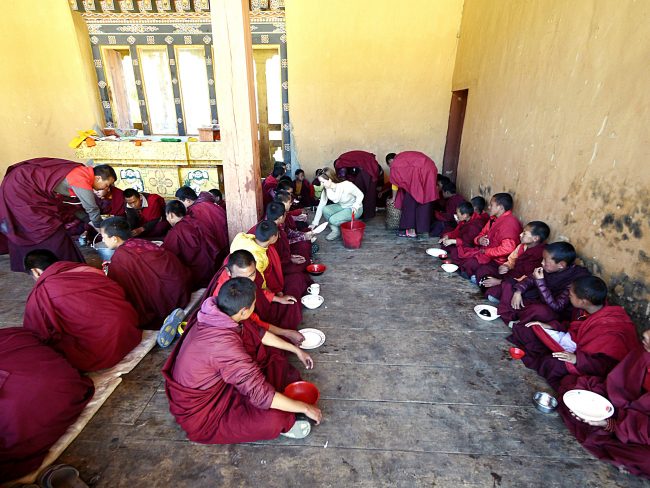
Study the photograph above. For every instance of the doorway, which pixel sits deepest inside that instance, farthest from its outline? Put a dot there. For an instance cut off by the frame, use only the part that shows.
(454, 133)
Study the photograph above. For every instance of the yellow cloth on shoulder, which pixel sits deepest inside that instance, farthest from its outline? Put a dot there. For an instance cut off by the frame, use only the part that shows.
(246, 242)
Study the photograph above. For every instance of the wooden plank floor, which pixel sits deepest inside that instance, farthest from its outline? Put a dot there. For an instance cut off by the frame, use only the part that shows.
(416, 391)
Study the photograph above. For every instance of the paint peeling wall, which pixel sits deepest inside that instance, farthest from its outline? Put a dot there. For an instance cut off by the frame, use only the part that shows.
(559, 114)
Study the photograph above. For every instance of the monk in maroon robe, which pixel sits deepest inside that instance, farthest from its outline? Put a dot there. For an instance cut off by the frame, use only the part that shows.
(469, 226)
(41, 395)
(365, 179)
(203, 207)
(145, 213)
(443, 220)
(271, 182)
(624, 438)
(303, 191)
(220, 384)
(154, 279)
(79, 312)
(29, 205)
(497, 239)
(199, 247)
(596, 344)
(111, 201)
(415, 175)
(299, 240)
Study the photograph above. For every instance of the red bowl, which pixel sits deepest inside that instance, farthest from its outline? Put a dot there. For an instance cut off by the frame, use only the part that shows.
(316, 269)
(303, 391)
(516, 353)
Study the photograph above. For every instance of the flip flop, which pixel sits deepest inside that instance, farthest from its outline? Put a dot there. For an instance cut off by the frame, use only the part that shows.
(61, 476)
(300, 430)
(169, 328)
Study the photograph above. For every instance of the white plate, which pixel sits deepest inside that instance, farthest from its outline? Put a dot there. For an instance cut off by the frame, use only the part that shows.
(158, 243)
(449, 268)
(312, 301)
(588, 405)
(313, 338)
(489, 308)
(435, 252)
(319, 228)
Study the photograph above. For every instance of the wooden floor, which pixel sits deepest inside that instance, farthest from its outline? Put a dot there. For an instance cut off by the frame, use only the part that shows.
(416, 391)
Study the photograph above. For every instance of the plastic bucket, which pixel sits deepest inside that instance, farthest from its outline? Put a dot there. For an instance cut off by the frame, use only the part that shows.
(352, 233)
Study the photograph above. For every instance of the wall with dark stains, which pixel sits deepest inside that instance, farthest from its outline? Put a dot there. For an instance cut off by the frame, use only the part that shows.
(559, 115)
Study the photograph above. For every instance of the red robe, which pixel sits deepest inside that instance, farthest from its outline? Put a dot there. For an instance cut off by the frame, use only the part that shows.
(524, 266)
(212, 217)
(82, 314)
(268, 188)
(154, 279)
(627, 441)
(305, 196)
(444, 219)
(198, 247)
(415, 173)
(41, 395)
(220, 381)
(152, 217)
(367, 178)
(115, 205)
(29, 210)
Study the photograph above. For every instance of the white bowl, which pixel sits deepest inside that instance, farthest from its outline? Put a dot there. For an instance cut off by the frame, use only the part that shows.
(312, 301)
(449, 268)
(489, 308)
(435, 252)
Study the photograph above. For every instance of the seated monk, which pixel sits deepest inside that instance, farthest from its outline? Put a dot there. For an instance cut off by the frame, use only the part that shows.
(41, 395)
(469, 226)
(592, 346)
(218, 198)
(221, 386)
(198, 246)
(111, 201)
(624, 438)
(302, 190)
(202, 207)
(479, 205)
(444, 220)
(154, 279)
(145, 213)
(271, 182)
(299, 241)
(29, 204)
(520, 264)
(495, 242)
(543, 295)
(62, 311)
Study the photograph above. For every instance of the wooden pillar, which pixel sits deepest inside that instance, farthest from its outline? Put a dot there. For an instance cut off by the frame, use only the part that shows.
(235, 84)
(260, 56)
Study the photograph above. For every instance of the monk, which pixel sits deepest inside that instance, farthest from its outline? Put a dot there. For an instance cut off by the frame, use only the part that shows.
(592, 346)
(544, 295)
(154, 279)
(28, 205)
(198, 246)
(302, 190)
(41, 395)
(203, 208)
(218, 380)
(444, 221)
(218, 197)
(271, 182)
(415, 175)
(62, 310)
(495, 242)
(469, 226)
(520, 264)
(479, 205)
(624, 438)
(300, 242)
(111, 201)
(145, 213)
(366, 178)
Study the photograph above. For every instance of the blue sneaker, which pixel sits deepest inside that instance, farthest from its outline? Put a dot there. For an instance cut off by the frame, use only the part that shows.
(473, 279)
(169, 328)
(492, 299)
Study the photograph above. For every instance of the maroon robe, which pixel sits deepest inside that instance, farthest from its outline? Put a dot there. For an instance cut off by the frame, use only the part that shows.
(29, 210)
(627, 441)
(524, 266)
(82, 314)
(41, 395)
(220, 381)
(151, 218)
(465, 232)
(305, 196)
(444, 219)
(365, 180)
(211, 216)
(198, 247)
(115, 205)
(602, 340)
(268, 189)
(154, 279)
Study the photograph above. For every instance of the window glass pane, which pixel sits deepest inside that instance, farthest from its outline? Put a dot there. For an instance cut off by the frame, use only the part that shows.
(131, 91)
(273, 89)
(194, 87)
(158, 90)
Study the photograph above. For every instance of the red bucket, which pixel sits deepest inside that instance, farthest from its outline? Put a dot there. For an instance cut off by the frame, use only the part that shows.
(352, 233)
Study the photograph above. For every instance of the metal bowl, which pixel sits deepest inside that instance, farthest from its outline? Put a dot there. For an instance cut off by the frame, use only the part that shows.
(105, 253)
(544, 402)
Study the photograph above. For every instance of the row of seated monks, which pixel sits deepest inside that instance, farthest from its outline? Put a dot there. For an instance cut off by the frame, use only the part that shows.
(224, 378)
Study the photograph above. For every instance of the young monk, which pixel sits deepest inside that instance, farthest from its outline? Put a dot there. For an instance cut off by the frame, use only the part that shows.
(62, 311)
(479, 205)
(198, 246)
(202, 207)
(299, 241)
(219, 389)
(543, 295)
(366, 172)
(522, 261)
(624, 438)
(497, 239)
(444, 219)
(28, 205)
(41, 395)
(592, 346)
(145, 213)
(271, 182)
(218, 197)
(154, 279)
(303, 190)
(469, 225)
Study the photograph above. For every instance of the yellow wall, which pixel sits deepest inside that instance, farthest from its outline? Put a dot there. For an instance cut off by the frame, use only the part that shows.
(558, 114)
(48, 88)
(370, 74)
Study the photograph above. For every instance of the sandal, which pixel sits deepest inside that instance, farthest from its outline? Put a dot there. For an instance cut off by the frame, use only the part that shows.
(169, 328)
(300, 430)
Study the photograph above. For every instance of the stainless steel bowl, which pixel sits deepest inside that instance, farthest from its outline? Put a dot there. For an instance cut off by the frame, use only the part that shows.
(544, 402)
(104, 253)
